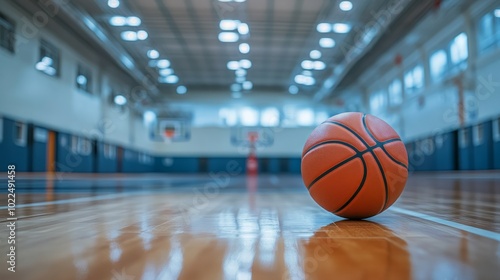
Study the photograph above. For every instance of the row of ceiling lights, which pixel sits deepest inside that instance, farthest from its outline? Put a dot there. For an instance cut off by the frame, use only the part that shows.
(306, 77)
(165, 72)
(233, 31)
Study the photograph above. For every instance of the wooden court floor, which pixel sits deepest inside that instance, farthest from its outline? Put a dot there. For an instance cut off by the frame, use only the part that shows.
(445, 226)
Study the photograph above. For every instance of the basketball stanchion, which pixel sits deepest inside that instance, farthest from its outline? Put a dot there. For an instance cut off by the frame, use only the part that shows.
(252, 163)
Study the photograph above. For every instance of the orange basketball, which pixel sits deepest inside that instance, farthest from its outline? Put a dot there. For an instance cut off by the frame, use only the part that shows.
(354, 165)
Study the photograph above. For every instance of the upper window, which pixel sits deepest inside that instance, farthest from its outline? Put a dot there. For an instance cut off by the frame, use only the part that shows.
(270, 117)
(395, 93)
(414, 79)
(84, 79)
(438, 64)
(488, 30)
(458, 49)
(49, 59)
(377, 101)
(7, 33)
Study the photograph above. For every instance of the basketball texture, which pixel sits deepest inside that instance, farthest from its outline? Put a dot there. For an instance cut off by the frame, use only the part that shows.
(354, 165)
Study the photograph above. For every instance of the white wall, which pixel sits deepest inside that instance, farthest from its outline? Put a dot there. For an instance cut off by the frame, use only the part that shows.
(32, 96)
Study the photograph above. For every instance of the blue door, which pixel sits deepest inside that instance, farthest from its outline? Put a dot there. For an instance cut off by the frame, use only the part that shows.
(482, 158)
(465, 160)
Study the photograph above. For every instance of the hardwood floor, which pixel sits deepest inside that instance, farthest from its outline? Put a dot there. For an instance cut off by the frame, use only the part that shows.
(445, 226)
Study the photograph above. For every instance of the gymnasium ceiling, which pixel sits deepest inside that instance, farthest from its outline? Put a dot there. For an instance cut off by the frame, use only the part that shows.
(282, 33)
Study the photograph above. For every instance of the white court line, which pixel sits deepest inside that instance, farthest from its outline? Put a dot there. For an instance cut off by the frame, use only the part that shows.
(72, 200)
(474, 230)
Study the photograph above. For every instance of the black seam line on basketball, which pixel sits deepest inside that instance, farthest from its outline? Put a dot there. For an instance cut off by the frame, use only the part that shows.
(378, 162)
(331, 142)
(357, 190)
(358, 154)
(393, 159)
(332, 169)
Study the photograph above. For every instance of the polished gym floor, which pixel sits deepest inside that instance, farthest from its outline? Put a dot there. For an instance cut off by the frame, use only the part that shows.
(445, 226)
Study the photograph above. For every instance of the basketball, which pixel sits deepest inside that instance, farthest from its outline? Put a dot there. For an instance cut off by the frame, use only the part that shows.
(354, 165)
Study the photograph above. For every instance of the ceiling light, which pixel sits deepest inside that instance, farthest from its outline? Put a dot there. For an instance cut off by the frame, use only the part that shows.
(319, 65)
(244, 48)
(341, 27)
(153, 54)
(233, 65)
(81, 80)
(171, 79)
(47, 60)
(228, 37)
(293, 89)
(305, 80)
(243, 29)
(497, 13)
(166, 72)
(149, 117)
(129, 36)
(245, 63)
(163, 63)
(118, 21)
(229, 24)
(315, 54)
(307, 64)
(239, 1)
(240, 79)
(181, 90)
(327, 42)
(247, 85)
(142, 35)
(307, 73)
(235, 87)
(324, 27)
(241, 72)
(120, 100)
(113, 3)
(345, 6)
(133, 21)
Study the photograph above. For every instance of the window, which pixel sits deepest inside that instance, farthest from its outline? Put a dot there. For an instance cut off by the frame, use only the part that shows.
(305, 117)
(109, 151)
(395, 93)
(84, 79)
(377, 101)
(84, 146)
(40, 135)
(270, 117)
(20, 134)
(229, 117)
(488, 30)
(459, 49)
(478, 134)
(49, 59)
(463, 136)
(249, 117)
(74, 144)
(414, 79)
(7, 33)
(438, 64)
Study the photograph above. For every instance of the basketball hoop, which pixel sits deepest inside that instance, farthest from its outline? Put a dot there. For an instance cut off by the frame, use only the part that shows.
(169, 133)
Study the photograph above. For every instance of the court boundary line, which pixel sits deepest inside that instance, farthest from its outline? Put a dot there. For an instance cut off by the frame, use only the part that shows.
(477, 231)
(71, 200)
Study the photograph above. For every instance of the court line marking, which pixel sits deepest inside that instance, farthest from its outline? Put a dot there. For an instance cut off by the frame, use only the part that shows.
(471, 229)
(72, 200)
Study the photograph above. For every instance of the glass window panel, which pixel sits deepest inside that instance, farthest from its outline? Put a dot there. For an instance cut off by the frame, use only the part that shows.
(438, 64)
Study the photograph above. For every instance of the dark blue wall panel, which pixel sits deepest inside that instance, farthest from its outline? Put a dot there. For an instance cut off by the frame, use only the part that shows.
(483, 151)
(12, 152)
(221, 164)
(445, 152)
(294, 165)
(274, 165)
(104, 164)
(177, 164)
(68, 160)
(496, 152)
(39, 149)
(465, 148)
